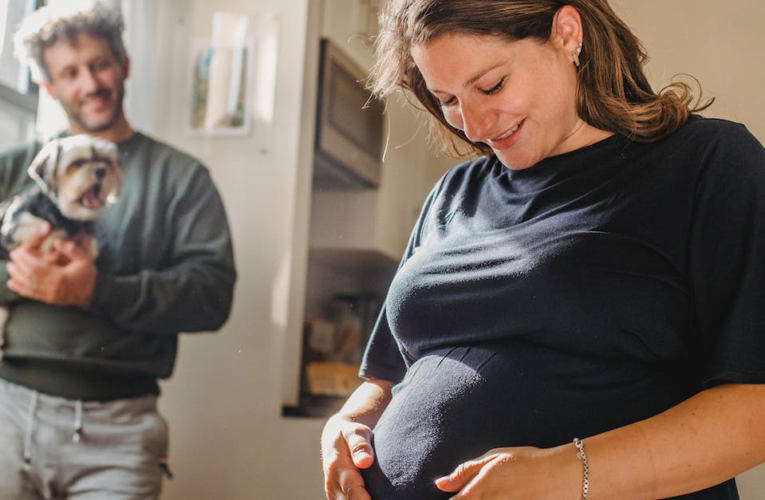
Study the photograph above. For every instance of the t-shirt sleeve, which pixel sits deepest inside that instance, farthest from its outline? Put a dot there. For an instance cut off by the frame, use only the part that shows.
(727, 259)
(383, 358)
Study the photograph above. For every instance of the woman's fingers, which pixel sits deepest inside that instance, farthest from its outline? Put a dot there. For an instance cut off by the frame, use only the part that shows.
(463, 474)
(480, 484)
(351, 484)
(360, 445)
(344, 452)
(344, 481)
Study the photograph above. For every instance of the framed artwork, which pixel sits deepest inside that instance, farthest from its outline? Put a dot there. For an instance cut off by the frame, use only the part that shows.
(231, 85)
(220, 87)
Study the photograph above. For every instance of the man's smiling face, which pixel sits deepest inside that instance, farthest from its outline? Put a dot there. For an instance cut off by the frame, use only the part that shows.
(88, 80)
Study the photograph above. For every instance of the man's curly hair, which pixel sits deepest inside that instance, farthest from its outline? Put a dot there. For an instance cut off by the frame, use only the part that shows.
(64, 21)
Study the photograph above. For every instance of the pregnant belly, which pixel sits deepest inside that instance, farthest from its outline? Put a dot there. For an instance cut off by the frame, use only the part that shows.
(456, 404)
(426, 429)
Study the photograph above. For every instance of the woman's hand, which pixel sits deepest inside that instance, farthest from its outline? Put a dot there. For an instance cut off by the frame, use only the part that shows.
(346, 447)
(346, 443)
(518, 474)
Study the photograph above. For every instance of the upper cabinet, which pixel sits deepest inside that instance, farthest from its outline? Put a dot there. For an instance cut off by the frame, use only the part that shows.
(349, 124)
(354, 207)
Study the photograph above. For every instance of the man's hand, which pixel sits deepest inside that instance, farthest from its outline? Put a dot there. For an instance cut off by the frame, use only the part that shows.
(65, 276)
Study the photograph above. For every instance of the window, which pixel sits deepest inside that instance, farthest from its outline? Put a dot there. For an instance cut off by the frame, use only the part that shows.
(18, 97)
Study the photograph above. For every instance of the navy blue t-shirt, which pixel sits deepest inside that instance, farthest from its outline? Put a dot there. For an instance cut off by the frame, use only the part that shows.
(595, 289)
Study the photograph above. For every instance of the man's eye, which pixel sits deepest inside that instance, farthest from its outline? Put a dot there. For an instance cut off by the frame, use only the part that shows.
(102, 65)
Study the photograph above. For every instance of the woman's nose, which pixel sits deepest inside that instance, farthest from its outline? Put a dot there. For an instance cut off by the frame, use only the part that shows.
(476, 123)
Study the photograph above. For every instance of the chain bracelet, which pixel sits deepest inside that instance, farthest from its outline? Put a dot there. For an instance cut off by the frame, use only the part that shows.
(581, 455)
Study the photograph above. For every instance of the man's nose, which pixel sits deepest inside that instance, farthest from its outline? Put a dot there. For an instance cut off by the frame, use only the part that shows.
(89, 81)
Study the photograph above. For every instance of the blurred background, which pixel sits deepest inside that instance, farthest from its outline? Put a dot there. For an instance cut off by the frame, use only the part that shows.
(317, 238)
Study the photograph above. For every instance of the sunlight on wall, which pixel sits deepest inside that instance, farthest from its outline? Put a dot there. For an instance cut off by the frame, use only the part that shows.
(3, 17)
(265, 68)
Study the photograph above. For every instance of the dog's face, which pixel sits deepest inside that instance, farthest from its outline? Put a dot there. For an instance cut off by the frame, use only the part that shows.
(81, 173)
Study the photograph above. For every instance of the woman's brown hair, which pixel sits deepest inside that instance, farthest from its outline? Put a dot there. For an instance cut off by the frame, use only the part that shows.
(613, 92)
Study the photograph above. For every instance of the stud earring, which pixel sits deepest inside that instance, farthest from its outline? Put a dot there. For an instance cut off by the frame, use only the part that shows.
(575, 54)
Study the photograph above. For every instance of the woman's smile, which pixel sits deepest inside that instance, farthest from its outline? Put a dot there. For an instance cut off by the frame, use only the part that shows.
(508, 139)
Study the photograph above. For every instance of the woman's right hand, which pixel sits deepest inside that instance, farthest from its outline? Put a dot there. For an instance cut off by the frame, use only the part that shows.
(346, 443)
(346, 447)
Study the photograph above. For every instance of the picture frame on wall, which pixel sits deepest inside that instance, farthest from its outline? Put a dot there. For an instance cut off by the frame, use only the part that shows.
(219, 101)
(231, 80)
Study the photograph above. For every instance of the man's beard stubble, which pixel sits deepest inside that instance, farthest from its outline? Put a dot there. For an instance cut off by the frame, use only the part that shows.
(82, 122)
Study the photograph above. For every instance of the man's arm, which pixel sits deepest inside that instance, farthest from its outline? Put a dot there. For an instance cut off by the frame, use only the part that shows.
(193, 293)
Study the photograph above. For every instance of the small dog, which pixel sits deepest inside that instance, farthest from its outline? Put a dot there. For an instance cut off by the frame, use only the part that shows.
(75, 178)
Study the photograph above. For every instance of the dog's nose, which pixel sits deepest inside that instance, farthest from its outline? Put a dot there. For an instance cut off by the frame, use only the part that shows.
(99, 172)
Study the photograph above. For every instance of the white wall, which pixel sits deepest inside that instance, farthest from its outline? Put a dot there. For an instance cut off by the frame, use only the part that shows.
(229, 441)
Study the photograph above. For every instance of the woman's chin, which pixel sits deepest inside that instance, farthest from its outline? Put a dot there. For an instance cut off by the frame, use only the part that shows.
(513, 161)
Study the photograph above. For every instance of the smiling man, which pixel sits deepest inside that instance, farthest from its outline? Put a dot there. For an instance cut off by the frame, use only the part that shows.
(89, 84)
(86, 341)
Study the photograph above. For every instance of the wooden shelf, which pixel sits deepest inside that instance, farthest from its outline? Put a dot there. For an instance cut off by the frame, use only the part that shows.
(353, 260)
(314, 407)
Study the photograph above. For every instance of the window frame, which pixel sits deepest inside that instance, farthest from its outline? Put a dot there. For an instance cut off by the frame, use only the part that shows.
(27, 102)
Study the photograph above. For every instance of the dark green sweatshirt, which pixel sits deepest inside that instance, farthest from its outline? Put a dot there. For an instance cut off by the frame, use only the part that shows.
(165, 266)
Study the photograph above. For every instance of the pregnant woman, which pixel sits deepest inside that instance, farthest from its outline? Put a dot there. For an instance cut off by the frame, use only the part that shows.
(578, 314)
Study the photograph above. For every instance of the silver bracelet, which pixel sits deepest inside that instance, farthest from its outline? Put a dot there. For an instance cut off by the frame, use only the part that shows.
(581, 455)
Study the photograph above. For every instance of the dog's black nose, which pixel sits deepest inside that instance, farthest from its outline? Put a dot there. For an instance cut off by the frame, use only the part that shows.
(99, 172)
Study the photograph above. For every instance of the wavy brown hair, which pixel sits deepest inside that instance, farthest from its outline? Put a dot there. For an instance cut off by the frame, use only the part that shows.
(613, 92)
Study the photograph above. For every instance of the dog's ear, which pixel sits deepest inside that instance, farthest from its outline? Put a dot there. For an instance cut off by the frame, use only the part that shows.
(43, 167)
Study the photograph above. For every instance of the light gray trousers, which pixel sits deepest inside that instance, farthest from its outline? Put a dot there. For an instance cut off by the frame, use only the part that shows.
(55, 448)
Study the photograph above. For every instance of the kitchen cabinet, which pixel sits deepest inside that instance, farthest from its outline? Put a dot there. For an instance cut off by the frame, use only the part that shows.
(356, 237)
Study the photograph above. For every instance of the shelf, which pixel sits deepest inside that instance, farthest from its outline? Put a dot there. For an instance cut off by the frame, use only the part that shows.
(314, 407)
(353, 260)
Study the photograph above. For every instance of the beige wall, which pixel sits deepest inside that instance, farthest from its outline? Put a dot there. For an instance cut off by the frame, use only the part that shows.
(721, 43)
(229, 441)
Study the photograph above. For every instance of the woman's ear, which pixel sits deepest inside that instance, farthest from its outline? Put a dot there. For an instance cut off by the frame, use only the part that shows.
(567, 29)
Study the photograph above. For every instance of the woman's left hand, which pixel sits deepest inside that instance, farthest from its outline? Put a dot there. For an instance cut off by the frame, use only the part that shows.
(517, 473)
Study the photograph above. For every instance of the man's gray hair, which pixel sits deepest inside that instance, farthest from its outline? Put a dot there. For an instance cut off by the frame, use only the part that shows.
(63, 21)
